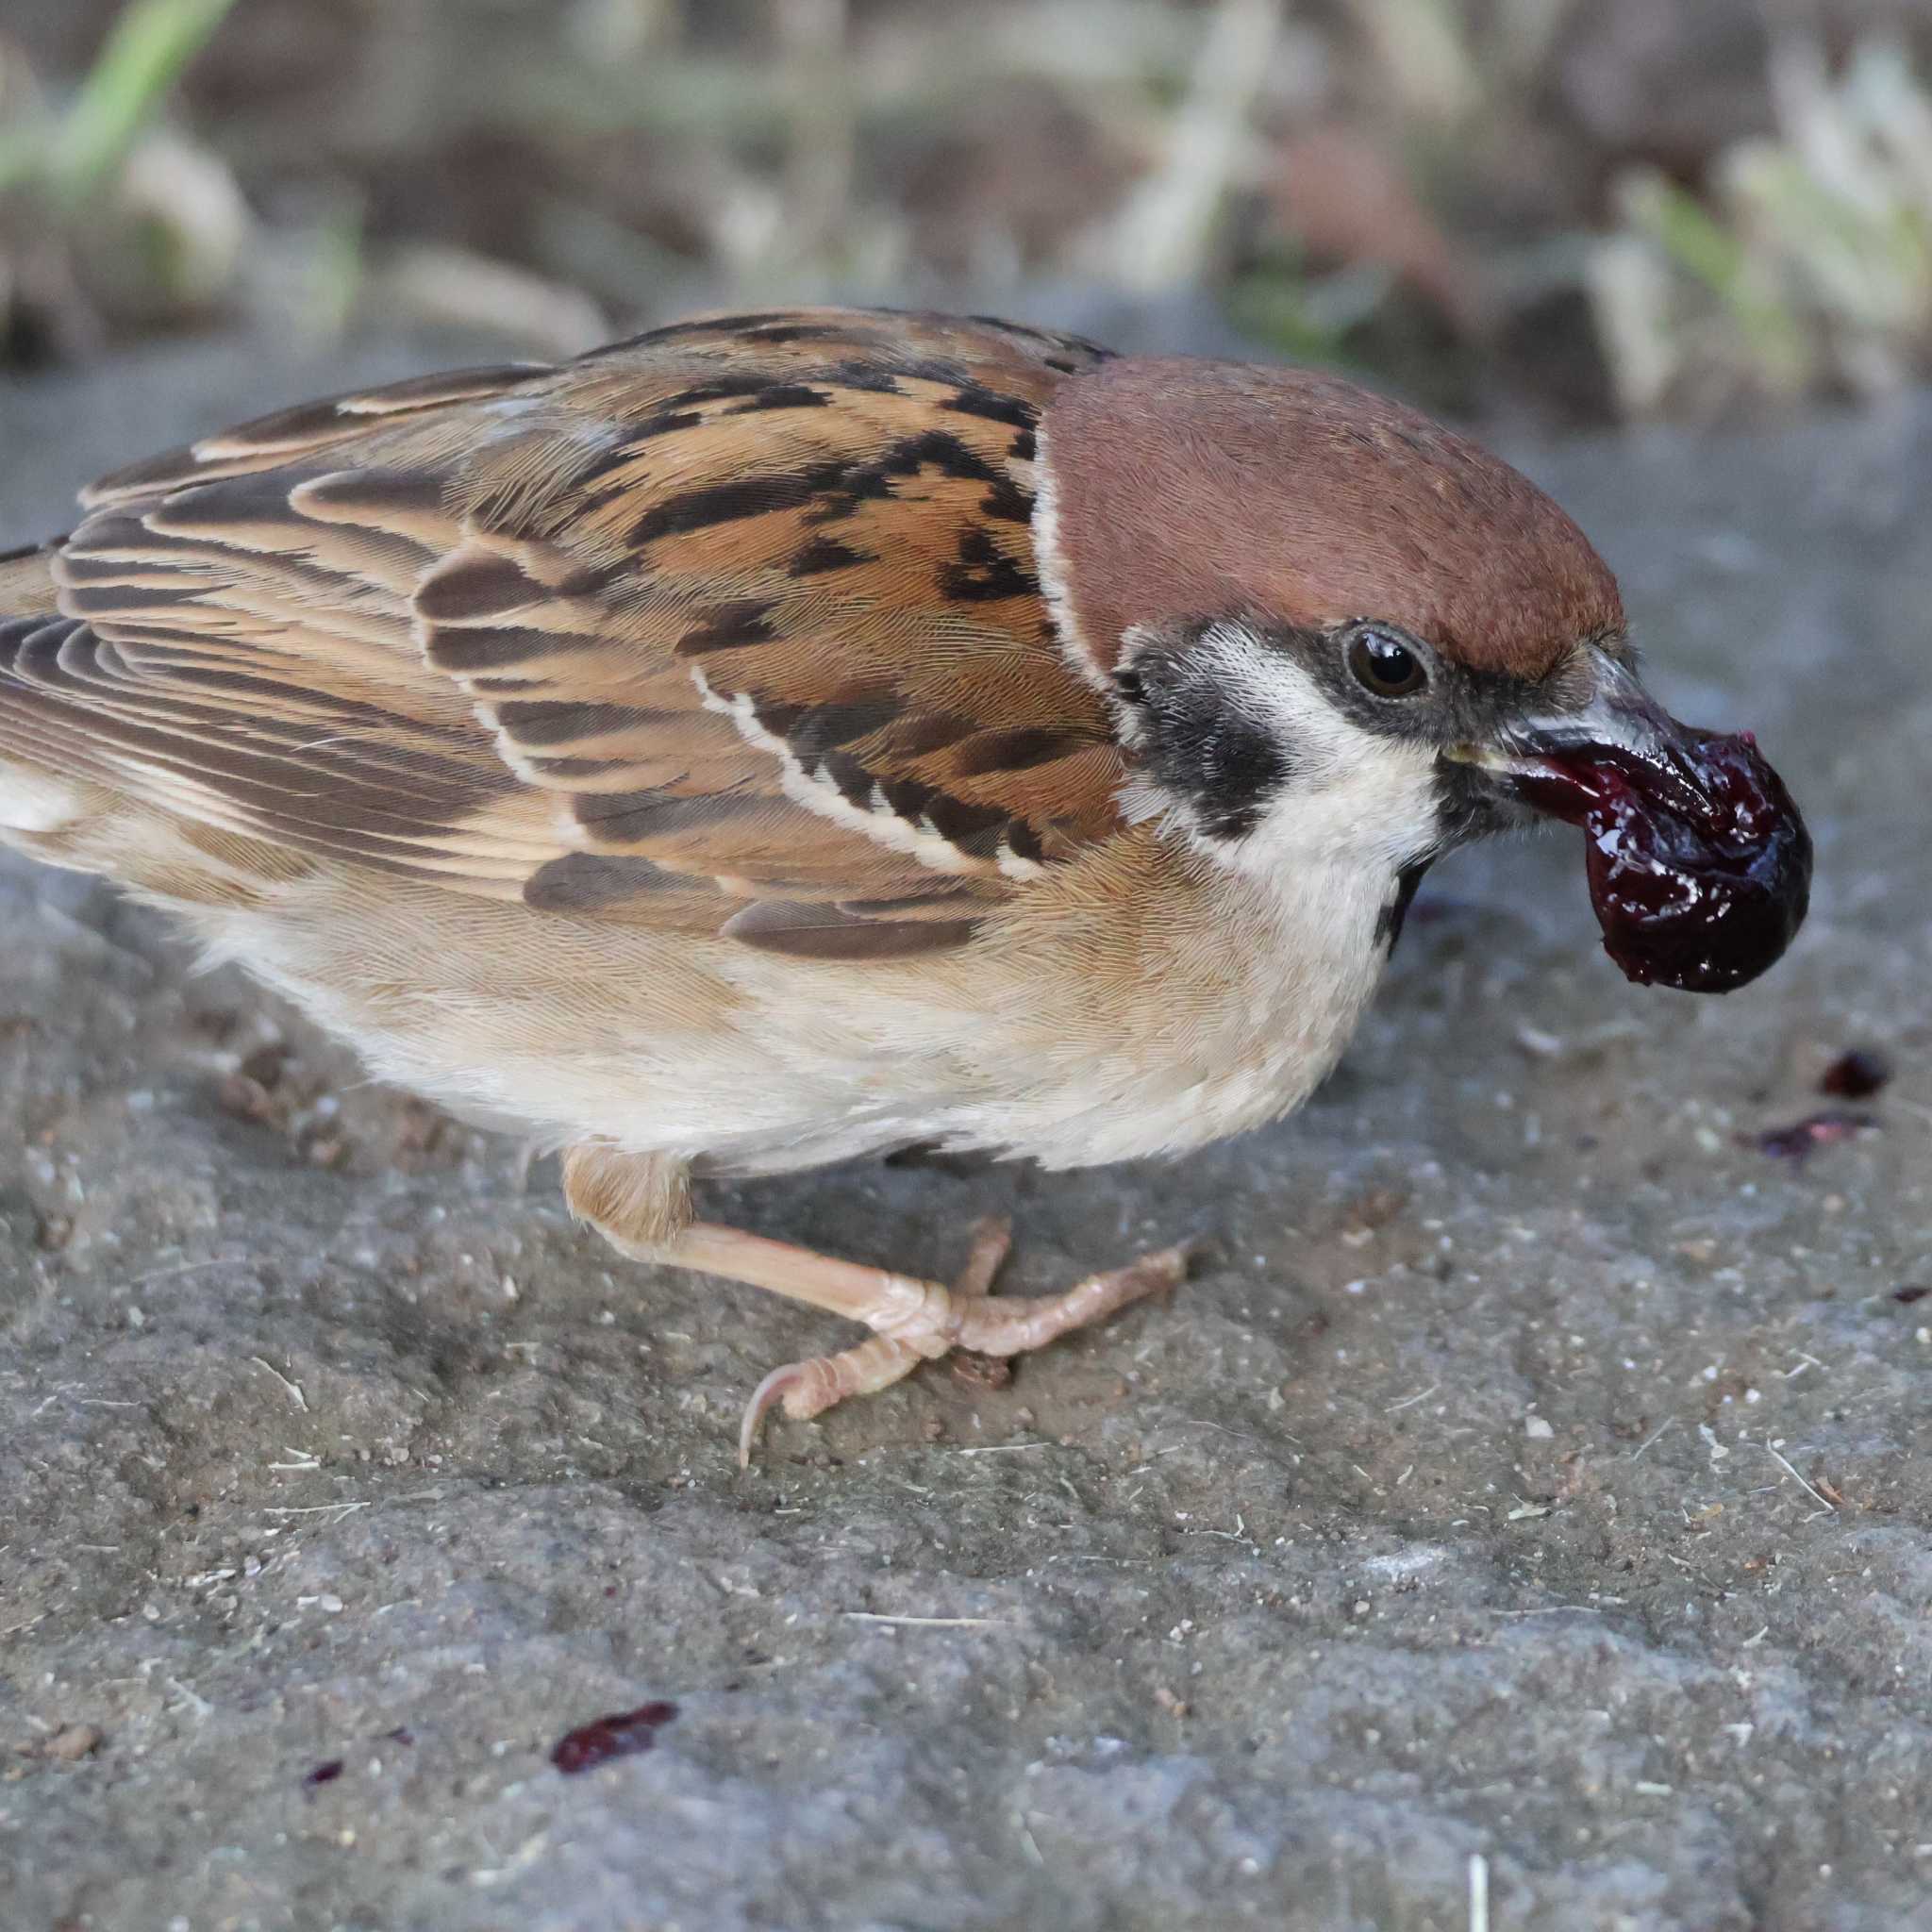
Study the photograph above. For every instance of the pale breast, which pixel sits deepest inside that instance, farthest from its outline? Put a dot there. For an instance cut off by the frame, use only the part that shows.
(1201, 1003)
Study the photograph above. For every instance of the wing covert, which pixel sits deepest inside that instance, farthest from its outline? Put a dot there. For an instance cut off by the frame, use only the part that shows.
(733, 626)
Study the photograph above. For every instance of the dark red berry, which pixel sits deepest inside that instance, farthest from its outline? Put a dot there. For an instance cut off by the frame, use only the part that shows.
(1699, 864)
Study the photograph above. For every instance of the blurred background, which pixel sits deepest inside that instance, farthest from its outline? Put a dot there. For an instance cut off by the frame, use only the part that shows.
(1564, 211)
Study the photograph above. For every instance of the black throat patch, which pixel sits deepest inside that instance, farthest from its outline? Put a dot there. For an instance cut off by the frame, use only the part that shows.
(1394, 915)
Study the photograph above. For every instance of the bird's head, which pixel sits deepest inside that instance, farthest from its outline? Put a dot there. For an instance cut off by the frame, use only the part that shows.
(1333, 631)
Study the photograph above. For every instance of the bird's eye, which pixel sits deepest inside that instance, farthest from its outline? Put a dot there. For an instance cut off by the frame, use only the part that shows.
(1382, 665)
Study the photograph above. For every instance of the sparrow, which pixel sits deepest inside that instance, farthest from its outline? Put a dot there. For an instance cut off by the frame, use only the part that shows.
(784, 737)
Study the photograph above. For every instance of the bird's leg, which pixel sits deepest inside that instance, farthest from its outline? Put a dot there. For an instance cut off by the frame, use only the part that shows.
(809, 1388)
(636, 1202)
(912, 1318)
(992, 1241)
(641, 1207)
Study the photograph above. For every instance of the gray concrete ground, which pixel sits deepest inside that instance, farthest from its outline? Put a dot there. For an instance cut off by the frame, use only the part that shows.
(1535, 1490)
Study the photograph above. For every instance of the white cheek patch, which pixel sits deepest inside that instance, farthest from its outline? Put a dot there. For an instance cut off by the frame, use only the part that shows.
(1351, 797)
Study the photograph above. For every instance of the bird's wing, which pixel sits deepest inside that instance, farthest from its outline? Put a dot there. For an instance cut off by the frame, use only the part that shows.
(732, 626)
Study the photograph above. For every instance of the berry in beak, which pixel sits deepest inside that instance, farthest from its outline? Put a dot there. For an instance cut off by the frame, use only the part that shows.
(1699, 863)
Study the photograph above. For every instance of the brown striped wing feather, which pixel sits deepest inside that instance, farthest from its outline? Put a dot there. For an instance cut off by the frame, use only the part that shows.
(733, 626)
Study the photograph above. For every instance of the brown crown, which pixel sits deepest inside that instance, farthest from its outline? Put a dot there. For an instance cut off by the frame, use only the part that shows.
(1190, 489)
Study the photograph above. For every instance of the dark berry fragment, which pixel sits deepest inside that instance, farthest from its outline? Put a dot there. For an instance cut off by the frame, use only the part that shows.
(1855, 1076)
(621, 1735)
(1803, 1138)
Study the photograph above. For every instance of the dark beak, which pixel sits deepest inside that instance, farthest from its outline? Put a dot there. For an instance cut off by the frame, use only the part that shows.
(1699, 863)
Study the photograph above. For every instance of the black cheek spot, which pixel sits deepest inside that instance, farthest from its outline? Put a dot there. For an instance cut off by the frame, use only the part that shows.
(1242, 769)
(1225, 765)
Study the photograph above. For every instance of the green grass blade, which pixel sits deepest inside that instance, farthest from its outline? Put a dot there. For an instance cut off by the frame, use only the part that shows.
(150, 44)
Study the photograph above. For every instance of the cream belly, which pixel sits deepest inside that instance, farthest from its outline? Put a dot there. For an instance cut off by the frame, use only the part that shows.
(1141, 1004)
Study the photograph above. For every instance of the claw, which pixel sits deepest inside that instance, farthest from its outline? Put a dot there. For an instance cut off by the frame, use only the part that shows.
(809, 1388)
(768, 1391)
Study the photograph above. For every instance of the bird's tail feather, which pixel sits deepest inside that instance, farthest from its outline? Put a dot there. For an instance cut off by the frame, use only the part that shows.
(38, 800)
(65, 791)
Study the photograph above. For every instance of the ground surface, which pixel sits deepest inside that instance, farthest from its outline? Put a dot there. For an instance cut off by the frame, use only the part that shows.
(1536, 1487)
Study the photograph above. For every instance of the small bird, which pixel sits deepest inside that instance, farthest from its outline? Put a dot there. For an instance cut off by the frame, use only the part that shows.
(783, 737)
